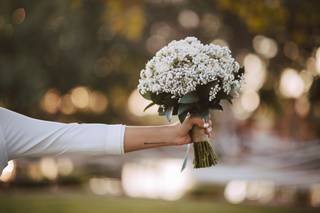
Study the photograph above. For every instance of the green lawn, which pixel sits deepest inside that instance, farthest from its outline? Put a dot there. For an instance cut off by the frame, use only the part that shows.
(80, 203)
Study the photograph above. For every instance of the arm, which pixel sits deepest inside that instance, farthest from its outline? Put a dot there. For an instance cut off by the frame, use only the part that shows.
(143, 137)
(27, 137)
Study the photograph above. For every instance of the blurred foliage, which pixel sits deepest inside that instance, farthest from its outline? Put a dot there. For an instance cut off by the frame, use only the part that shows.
(62, 44)
(205, 191)
(67, 202)
(103, 45)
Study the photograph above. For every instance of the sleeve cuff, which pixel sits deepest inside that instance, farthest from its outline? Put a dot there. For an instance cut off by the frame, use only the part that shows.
(115, 139)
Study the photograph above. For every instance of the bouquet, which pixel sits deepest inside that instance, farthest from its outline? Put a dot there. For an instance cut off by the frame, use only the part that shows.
(187, 76)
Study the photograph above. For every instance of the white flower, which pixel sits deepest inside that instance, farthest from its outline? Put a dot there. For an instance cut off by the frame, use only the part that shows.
(181, 66)
(213, 92)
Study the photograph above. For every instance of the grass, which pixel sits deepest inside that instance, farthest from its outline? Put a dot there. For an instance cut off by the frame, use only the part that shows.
(83, 203)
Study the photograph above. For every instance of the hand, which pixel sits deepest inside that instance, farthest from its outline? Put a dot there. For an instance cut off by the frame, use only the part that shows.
(181, 131)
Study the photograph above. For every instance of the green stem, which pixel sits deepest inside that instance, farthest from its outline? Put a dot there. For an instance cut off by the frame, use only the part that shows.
(204, 156)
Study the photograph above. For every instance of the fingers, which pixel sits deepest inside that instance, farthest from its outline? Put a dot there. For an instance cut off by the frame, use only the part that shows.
(209, 132)
(196, 120)
(190, 121)
(199, 122)
(202, 124)
(209, 129)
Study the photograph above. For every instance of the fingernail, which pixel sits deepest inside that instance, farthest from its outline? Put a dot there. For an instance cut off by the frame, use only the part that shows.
(209, 129)
(205, 125)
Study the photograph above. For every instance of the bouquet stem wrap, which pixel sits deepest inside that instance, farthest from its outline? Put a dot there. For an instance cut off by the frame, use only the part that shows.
(204, 156)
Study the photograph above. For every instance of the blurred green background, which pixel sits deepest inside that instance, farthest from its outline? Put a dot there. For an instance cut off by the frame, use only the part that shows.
(79, 61)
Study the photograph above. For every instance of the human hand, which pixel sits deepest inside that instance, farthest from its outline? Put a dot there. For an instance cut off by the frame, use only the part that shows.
(181, 131)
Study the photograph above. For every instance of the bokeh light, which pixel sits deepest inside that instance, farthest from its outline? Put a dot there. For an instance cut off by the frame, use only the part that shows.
(210, 23)
(65, 166)
(318, 60)
(265, 46)
(8, 173)
(80, 97)
(49, 168)
(262, 191)
(315, 195)
(188, 19)
(19, 15)
(236, 191)
(155, 178)
(291, 84)
(250, 100)
(155, 42)
(255, 74)
(67, 106)
(51, 101)
(302, 106)
(98, 102)
(34, 172)
(103, 186)
(137, 103)
(162, 29)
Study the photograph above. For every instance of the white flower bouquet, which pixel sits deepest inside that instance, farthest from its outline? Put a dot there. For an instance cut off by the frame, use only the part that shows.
(187, 76)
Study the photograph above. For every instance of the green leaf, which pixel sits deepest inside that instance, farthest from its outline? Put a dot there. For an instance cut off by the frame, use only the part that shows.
(148, 106)
(161, 111)
(175, 109)
(182, 116)
(205, 115)
(163, 99)
(241, 70)
(216, 106)
(184, 108)
(147, 95)
(168, 113)
(189, 98)
(240, 73)
(228, 98)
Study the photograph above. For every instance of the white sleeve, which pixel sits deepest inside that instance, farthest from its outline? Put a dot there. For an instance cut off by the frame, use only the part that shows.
(28, 137)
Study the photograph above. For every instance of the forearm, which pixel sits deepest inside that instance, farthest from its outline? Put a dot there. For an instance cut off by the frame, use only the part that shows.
(144, 137)
(27, 137)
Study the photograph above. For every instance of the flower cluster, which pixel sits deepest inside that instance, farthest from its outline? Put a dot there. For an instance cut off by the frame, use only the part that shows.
(181, 66)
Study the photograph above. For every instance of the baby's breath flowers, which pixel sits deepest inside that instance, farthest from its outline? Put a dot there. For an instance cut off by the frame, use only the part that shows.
(187, 76)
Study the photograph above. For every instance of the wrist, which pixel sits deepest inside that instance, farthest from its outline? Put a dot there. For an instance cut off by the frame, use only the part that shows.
(171, 133)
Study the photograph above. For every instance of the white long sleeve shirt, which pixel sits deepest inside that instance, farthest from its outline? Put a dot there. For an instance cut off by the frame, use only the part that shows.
(22, 136)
